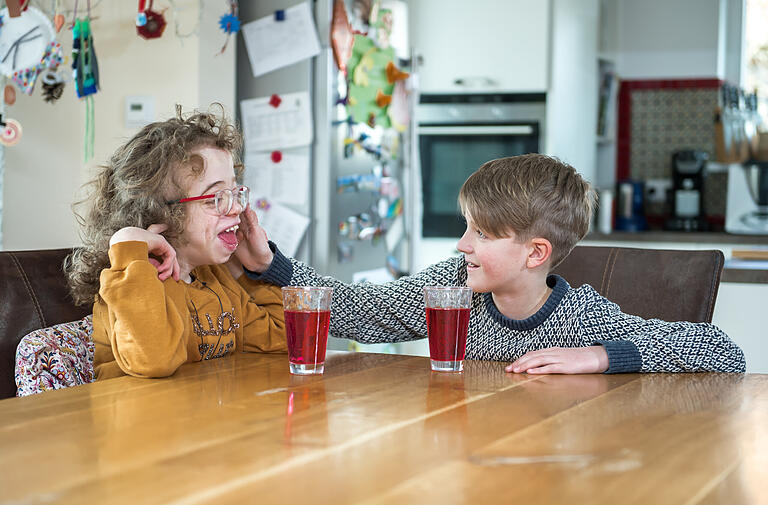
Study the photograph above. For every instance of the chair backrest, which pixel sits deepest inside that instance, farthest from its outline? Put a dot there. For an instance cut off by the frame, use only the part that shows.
(33, 295)
(650, 283)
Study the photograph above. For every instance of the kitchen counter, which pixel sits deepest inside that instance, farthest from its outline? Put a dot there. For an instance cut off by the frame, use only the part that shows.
(678, 236)
(725, 242)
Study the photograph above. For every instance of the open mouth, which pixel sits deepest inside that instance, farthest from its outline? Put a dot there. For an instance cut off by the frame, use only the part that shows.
(229, 237)
(470, 265)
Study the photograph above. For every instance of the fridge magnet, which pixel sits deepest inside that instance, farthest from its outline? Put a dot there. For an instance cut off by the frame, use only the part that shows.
(342, 37)
(10, 135)
(276, 156)
(149, 24)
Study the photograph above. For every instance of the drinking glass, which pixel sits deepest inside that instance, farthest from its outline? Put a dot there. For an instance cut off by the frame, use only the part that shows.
(307, 317)
(447, 310)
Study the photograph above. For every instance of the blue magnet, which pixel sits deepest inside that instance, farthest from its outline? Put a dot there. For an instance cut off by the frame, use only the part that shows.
(280, 15)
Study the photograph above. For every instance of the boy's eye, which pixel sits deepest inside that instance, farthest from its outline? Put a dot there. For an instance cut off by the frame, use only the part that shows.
(480, 234)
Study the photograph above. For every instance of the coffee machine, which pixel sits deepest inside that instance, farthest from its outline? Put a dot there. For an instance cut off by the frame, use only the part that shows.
(689, 170)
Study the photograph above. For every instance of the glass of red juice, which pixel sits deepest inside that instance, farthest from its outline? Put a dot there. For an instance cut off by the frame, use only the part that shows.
(307, 317)
(447, 324)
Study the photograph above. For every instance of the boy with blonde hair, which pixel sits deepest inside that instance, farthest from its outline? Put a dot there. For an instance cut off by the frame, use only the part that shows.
(524, 215)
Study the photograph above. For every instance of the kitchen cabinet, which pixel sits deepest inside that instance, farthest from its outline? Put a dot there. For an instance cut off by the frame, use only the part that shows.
(481, 46)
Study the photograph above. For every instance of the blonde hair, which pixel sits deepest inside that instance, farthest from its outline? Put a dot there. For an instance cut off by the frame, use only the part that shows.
(133, 187)
(532, 195)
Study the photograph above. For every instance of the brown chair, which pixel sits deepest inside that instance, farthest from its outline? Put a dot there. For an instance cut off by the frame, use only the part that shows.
(650, 283)
(33, 295)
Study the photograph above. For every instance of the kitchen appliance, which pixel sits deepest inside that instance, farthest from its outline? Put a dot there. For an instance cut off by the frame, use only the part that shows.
(349, 178)
(457, 134)
(630, 212)
(747, 206)
(687, 203)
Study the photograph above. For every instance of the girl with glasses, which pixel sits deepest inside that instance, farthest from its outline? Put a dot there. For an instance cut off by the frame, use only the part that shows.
(163, 249)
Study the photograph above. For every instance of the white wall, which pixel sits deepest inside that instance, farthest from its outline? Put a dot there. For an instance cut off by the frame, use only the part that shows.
(45, 170)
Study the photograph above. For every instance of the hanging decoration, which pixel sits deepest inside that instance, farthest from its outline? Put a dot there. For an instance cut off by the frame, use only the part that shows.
(9, 95)
(229, 23)
(149, 24)
(26, 46)
(10, 135)
(85, 73)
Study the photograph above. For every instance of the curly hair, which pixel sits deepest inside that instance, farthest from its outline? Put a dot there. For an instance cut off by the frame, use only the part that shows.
(133, 187)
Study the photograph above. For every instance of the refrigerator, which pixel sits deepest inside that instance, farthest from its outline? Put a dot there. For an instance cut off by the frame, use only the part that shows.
(346, 201)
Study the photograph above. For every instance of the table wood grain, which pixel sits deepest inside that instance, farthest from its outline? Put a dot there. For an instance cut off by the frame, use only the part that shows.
(378, 429)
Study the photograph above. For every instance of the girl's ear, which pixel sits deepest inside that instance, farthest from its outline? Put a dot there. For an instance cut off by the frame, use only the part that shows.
(539, 253)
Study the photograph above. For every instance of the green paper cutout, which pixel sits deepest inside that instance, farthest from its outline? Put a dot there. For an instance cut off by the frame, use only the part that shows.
(371, 77)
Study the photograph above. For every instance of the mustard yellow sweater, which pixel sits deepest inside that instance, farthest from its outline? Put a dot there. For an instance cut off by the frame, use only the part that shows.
(148, 328)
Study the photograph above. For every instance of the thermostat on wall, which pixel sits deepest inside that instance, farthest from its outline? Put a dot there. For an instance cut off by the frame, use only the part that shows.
(139, 111)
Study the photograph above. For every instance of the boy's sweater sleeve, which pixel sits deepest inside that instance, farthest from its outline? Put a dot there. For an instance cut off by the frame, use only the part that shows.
(144, 322)
(263, 318)
(369, 313)
(635, 344)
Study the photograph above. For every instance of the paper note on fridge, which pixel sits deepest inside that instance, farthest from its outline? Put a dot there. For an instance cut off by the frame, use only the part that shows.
(286, 181)
(272, 44)
(285, 227)
(267, 128)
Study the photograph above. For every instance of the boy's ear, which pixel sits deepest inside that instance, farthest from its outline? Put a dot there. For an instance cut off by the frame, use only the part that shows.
(540, 252)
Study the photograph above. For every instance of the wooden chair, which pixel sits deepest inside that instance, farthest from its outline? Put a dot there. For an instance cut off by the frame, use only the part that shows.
(650, 283)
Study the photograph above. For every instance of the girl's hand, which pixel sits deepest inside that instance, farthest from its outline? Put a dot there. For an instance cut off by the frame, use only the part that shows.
(591, 359)
(253, 251)
(158, 246)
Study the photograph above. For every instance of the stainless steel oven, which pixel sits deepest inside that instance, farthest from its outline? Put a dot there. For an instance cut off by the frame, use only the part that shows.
(457, 134)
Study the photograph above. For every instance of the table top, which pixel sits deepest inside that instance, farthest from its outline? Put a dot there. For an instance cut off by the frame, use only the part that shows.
(379, 428)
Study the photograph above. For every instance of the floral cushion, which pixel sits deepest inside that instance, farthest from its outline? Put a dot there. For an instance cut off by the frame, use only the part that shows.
(56, 357)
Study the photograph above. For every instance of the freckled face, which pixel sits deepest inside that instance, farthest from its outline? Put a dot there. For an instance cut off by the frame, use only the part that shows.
(209, 238)
(493, 264)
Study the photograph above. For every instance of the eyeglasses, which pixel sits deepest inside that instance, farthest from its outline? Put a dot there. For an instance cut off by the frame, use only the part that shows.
(223, 200)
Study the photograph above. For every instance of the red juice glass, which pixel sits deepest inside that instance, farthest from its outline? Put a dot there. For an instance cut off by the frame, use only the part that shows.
(307, 312)
(447, 310)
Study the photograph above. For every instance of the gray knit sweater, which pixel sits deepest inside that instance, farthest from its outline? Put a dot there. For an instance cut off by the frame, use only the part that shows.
(571, 317)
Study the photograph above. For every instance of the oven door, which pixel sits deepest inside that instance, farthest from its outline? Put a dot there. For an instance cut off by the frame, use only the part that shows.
(451, 153)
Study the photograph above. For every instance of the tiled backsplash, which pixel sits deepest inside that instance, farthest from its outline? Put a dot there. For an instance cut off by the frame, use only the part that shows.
(657, 118)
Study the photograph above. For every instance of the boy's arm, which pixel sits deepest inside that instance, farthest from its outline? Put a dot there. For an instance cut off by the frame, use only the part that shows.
(263, 318)
(145, 327)
(634, 344)
(369, 313)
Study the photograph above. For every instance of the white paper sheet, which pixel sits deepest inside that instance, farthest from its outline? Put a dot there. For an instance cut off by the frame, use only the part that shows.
(285, 227)
(286, 181)
(267, 128)
(273, 44)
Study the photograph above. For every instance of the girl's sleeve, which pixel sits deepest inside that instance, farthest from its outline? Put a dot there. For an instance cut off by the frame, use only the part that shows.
(263, 319)
(145, 316)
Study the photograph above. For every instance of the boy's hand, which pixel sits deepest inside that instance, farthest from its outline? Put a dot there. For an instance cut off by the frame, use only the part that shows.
(158, 246)
(568, 360)
(253, 250)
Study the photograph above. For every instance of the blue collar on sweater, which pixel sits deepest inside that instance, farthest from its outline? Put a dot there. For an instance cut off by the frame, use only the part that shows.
(559, 288)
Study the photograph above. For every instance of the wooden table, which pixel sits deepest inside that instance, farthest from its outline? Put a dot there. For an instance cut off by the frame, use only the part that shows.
(385, 429)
